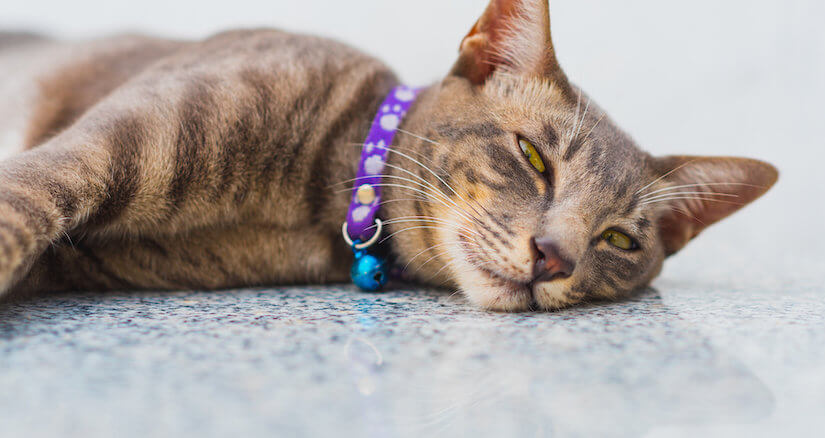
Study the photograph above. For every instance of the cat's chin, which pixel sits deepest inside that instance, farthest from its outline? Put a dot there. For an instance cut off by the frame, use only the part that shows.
(485, 288)
(493, 292)
(492, 289)
(553, 295)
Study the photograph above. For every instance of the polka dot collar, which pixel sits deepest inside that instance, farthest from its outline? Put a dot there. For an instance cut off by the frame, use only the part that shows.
(361, 224)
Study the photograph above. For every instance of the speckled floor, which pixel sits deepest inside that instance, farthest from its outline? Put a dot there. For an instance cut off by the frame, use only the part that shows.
(678, 360)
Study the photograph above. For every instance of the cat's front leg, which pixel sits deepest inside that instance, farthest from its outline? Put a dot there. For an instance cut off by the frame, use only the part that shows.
(44, 194)
(135, 164)
(19, 233)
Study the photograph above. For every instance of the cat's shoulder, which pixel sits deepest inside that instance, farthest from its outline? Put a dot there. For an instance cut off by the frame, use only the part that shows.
(268, 44)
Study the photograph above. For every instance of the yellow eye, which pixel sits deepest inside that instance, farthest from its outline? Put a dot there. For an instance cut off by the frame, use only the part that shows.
(619, 240)
(532, 154)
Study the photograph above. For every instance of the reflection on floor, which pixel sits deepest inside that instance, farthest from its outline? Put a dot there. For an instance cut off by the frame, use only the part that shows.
(322, 361)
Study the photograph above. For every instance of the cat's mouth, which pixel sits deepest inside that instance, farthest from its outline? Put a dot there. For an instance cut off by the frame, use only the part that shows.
(512, 294)
(511, 289)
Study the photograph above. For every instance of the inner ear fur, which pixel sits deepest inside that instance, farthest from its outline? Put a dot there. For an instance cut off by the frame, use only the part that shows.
(718, 186)
(511, 36)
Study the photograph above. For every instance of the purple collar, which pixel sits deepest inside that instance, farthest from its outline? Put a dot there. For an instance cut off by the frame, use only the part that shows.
(366, 192)
(362, 229)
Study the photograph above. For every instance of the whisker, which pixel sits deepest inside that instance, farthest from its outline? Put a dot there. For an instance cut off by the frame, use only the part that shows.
(436, 191)
(407, 150)
(584, 116)
(664, 195)
(427, 168)
(686, 213)
(594, 127)
(449, 263)
(699, 185)
(411, 228)
(428, 218)
(665, 175)
(576, 117)
(695, 198)
(389, 201)
(383, 175)
(432, 258)
(452, 263)
(432, 186)
(474, 205)
(437, 221)
(430, 248)
(424, 166)
(473, 219)
(417, 191)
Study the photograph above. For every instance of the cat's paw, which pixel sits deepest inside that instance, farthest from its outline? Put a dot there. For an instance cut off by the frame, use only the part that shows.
(10, 260)
(14, 242)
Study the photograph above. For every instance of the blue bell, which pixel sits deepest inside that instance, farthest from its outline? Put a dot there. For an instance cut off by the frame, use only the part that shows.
(369, 272)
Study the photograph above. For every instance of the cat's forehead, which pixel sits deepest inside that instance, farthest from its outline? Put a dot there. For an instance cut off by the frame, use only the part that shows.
(593, 161)
(527, 96)
(604, 175)
(586, 140)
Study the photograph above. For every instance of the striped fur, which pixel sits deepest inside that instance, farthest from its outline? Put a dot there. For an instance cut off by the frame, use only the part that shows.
(147, 163)
(209, 166)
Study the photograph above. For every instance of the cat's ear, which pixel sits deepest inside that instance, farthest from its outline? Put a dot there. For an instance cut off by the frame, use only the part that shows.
(511, 36)
(704, 190)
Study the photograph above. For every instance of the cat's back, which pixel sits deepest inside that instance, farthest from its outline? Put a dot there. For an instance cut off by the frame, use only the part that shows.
(53, 83)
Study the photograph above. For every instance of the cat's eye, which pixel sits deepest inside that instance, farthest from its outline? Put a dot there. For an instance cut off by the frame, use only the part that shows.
(532, 154)
(619, 240)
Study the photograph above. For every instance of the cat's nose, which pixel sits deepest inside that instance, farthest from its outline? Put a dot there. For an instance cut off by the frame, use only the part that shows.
(550, 263)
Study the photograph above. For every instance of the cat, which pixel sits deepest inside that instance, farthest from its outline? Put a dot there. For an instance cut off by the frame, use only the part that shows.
(141, 163)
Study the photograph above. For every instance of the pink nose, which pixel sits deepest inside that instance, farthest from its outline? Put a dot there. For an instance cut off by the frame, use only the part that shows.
(550, 263)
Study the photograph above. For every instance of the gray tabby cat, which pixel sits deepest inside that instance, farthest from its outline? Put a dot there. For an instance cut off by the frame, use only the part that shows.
(134, 162)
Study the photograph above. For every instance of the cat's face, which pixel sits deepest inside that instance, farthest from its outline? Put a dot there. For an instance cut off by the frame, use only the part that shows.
(536, 198)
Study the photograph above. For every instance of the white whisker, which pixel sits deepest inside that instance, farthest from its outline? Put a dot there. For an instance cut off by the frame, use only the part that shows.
(428, 220)
(664, 176)
(584, 116)
(686, 213)
(576, 117)
(432, 258)
(389, 201)
(594, 127)
(427, 168)
(430, 248)
(423, 193)
(452, 263)
(695, 198)
(411, 228)
(664, 195)
(433, 187)
(472, 203)
(436, 191)
(697, 185)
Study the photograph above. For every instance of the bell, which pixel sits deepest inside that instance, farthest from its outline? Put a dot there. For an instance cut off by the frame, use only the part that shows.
(369, 272)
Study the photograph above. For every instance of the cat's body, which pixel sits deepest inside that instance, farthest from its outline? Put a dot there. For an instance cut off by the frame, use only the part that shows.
(229, 165)
(134, 162)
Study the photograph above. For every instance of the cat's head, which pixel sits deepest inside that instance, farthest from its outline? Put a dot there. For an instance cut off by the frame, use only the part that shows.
(522, 193)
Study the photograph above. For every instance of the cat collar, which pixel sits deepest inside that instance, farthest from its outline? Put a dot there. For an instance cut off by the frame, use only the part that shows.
(362, 229)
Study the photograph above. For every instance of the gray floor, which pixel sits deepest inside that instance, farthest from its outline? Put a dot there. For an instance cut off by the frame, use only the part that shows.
(691, 357)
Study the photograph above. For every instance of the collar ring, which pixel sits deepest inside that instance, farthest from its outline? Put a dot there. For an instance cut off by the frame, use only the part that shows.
(363, 245)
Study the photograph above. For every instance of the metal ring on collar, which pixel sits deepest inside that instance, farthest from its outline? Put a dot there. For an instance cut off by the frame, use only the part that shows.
(366, 244)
